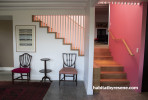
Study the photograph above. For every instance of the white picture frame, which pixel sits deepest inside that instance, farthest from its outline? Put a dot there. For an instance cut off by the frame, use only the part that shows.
(25, 38)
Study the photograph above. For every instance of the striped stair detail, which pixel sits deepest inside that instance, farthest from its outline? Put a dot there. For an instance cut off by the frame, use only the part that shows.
(69, 28)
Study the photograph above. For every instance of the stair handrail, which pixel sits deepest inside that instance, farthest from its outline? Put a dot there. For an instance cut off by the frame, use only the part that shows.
(124, 42)
(75, 22)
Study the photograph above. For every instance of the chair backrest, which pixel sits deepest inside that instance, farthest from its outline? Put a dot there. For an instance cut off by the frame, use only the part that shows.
(25, 60)
(69, 59)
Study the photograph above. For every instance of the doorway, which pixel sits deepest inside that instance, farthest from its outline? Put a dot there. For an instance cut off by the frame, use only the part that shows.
(101, 25)
(6, 42)
(102, 36)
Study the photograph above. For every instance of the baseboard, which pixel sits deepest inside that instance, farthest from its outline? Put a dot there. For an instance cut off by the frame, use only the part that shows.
(6, 68)
(90, 91)
(40, 76)
(53, 77)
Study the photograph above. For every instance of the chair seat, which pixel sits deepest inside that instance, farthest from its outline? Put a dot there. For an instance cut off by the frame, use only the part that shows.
(21, 70)
(67, 70)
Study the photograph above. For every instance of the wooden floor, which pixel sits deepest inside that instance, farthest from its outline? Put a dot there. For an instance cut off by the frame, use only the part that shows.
(68, 91)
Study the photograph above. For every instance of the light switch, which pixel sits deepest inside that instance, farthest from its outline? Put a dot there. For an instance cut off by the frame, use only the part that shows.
(137, 50)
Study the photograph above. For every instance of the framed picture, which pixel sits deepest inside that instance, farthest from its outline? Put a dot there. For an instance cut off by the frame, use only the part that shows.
(25, 38)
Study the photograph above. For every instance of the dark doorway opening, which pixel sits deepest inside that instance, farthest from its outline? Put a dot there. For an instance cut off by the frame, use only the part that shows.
(145, 67)
(101, 24)
(102, 36)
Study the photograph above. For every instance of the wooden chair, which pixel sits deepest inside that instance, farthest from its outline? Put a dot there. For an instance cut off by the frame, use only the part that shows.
(24, 70)
(68, 70)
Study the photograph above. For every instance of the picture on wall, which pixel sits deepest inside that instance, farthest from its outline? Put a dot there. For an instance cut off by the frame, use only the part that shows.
(25, 38)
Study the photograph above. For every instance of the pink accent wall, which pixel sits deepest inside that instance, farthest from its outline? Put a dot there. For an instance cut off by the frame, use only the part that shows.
(126, 23)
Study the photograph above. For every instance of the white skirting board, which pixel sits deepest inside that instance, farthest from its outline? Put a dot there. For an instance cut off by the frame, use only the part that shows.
(6, 68)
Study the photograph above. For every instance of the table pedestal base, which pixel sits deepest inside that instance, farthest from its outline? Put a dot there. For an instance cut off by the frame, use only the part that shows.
(44, 79)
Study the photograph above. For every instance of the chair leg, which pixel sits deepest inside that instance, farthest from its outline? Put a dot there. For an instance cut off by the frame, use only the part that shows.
(12, 78)
(28, 78)
(59, 79)
(64, 77)
(76, 79)
(21, 76)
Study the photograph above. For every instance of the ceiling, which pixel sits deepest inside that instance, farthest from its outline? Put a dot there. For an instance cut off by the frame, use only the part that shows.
(45, 4)
(123, 0)
(42, 4)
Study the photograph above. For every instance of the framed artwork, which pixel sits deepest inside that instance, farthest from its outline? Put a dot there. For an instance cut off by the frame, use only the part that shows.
(25, 38)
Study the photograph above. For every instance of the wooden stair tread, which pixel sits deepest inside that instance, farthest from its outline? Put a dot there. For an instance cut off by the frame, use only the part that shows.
(113, 80)
(101, 56)
(107, 64)
(111, 65)
(52, 32)
(101, 52)
(113, 73)
(99, 48)
(97, 65)
(67, 43)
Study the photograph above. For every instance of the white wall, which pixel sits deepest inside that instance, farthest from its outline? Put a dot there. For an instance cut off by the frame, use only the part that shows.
(101, 18)
(89, 49)
(101, 13)
(46, 44)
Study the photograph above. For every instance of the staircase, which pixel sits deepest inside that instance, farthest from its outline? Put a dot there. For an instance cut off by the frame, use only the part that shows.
(111, 73)
(69, 28)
